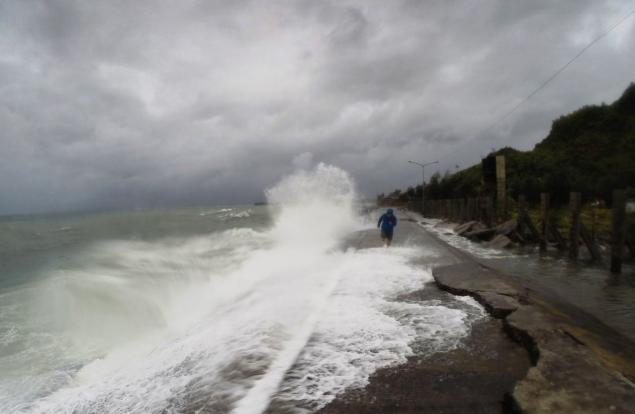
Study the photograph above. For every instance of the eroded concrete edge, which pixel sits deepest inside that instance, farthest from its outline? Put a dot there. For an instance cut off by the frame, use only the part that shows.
(567, 376)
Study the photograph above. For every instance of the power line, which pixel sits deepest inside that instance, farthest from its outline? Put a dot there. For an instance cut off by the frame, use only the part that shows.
(548, 80)
(559, 71)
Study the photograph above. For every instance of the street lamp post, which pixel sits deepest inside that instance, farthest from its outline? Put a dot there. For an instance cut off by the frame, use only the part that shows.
(423, 184)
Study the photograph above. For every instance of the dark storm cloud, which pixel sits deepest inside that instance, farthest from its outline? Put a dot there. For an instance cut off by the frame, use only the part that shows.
(160, 103)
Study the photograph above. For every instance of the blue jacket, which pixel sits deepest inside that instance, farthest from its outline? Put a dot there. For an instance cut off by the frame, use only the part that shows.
(387, 222)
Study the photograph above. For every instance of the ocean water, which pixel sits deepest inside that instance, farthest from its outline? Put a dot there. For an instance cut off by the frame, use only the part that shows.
(216, 309)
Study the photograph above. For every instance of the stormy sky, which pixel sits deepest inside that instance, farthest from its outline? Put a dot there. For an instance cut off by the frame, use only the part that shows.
(124, 104)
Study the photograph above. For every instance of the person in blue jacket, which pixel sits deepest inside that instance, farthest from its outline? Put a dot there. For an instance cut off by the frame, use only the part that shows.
(387, 223)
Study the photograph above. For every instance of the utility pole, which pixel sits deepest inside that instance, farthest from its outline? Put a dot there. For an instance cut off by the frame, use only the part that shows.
(423, 183)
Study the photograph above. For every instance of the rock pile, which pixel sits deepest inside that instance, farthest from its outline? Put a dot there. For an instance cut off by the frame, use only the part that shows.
(502, 236)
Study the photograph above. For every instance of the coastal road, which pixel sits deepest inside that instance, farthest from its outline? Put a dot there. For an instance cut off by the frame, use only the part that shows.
(471, 379)
(570, 361)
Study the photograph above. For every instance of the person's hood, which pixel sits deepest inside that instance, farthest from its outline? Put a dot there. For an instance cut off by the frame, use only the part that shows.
(389, 211)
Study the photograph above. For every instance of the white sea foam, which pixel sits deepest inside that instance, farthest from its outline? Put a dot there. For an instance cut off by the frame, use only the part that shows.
(446, 233)
(365, 328)
(240, 214)
(242, 318)
(227, 213)
(216, 211)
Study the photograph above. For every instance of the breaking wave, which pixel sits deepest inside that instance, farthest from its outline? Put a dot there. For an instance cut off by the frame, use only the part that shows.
(234, 321)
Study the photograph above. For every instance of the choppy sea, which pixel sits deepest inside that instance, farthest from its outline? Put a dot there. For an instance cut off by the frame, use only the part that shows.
(215, 309)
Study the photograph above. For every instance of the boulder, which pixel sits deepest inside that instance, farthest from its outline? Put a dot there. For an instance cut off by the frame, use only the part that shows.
(507, 227)
(478, 226)
(484, 234)
(465, 227)
(500, 242)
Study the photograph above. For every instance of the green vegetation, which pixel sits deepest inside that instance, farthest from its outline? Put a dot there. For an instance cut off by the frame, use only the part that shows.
(591, 150)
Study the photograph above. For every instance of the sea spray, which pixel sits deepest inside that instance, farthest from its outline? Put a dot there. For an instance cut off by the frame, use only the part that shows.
(239, 319)
(316, 207)
(317, 210)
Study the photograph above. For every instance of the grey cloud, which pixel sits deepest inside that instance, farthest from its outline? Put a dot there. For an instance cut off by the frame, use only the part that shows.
(158, 103)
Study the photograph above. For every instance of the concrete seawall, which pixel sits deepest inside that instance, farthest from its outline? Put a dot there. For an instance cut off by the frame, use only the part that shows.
(579, 365)
(538, 354)
(469, 379)
(575, 369)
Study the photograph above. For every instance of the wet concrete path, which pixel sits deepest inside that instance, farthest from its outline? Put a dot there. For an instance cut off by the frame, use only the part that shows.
(471, 379)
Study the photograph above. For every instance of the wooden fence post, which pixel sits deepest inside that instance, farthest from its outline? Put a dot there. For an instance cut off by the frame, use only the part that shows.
(618, 231)
(475, 209)
(501, 188)
(489, 211)
(631, 246)
(525, 220)
(463, 210)
(588, 240)
(544, 213)
(574, 233)
(454, 209)
(468, 206)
